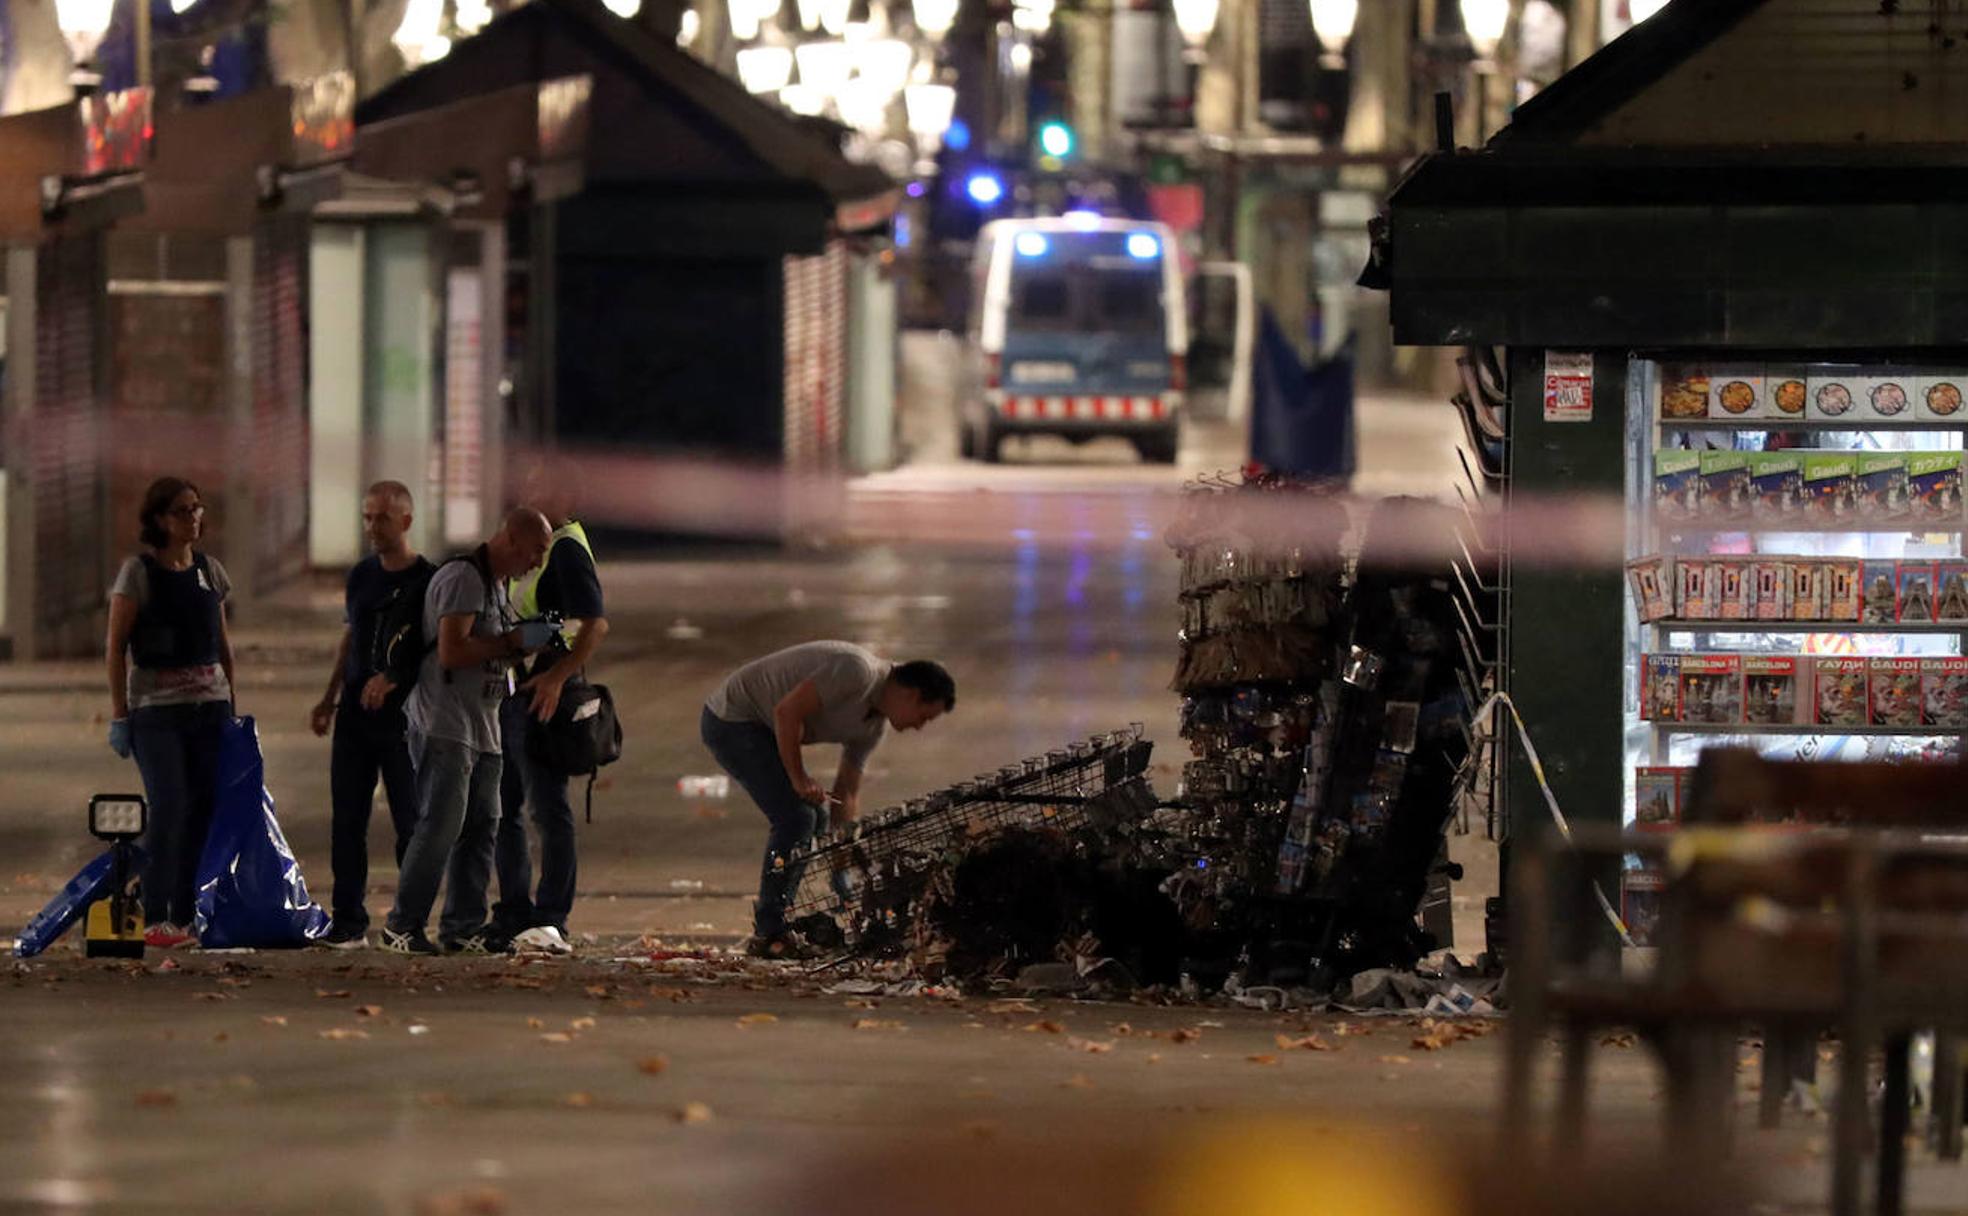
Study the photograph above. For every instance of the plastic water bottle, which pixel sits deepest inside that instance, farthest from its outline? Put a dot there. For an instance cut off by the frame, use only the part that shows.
(713, 789)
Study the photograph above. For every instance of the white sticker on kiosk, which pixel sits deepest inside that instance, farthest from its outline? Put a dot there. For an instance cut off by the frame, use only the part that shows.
(1567, 387)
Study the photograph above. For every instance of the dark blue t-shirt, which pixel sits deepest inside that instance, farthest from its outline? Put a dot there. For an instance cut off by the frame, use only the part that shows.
(569, 584)
(370, 588)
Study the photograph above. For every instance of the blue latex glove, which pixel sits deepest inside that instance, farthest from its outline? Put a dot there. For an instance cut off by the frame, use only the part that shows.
(535, 634)
(119, 737)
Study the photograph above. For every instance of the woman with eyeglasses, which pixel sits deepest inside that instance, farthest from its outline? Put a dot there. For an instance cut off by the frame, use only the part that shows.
(170, 693)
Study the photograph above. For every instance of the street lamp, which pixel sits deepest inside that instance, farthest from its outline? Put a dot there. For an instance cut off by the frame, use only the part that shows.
(803, 99)
(1640, 10)
(935, 17)
(834, 15)
(625, 9)
(1032, 16)
(417, 34)
(1332, 21)
(1484, 20)
(884, 64)
(1196, 19)
(765, 69)
(83, 23)
(748, 15)
(930, 108)
(824, 66)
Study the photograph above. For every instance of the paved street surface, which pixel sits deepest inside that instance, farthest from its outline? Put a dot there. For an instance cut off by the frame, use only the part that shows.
(319, 1082)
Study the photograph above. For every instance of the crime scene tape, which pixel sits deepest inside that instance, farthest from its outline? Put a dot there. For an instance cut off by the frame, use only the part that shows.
(1550, 799)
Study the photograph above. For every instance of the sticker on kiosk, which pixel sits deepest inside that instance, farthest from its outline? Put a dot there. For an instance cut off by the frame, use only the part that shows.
(1567, 387)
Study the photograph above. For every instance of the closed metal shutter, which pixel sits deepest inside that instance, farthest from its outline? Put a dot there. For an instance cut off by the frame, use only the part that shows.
(816, 364)
(66, 443)
(280, 425)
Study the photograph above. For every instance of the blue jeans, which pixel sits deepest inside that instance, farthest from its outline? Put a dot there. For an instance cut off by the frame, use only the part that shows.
(525, 784)
(750, 753)
(177, 751)
(457, 818)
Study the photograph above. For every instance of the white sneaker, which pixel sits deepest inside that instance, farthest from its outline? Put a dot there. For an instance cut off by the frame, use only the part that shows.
(545, 939)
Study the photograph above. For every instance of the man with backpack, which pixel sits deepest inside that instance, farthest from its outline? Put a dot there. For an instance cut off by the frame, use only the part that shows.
(469, 642)
(365, 707)
(566, 585)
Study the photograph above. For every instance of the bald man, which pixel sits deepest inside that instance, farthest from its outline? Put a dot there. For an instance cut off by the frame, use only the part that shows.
(453, 716)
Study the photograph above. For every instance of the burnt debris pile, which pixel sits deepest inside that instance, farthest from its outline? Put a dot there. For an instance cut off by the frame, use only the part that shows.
(1326, 728)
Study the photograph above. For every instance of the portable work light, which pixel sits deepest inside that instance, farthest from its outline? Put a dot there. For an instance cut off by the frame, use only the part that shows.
(113, 927)
(117, 816)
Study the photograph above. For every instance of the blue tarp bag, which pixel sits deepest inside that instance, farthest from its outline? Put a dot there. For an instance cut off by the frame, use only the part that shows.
(250, 889)
(69, 905)
(1301, 419)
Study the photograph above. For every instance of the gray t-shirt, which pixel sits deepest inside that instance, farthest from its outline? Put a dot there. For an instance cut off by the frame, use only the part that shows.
(848, 678)
(462, 705)
(150, 686)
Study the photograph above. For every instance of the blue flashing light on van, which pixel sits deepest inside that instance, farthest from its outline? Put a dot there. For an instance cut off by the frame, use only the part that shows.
(984, 189)
(1078, 328)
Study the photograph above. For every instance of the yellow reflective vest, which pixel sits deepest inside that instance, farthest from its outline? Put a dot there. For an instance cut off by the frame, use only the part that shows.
(525, 590)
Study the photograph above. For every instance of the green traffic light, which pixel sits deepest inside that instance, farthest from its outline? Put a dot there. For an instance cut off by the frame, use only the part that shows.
(1056, 140)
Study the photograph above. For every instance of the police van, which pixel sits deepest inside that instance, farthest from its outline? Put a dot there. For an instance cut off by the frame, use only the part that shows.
(1078, 329)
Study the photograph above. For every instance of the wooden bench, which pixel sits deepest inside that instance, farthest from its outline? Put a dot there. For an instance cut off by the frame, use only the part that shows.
(1863, 929)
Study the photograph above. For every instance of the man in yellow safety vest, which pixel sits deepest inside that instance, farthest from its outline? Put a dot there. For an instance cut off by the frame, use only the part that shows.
(565, 583)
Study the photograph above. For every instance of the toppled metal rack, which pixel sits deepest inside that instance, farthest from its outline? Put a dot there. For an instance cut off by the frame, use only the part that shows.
(868, 876)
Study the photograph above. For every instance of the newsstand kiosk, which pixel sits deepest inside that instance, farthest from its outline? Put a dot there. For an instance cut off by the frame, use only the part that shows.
(1726, 260)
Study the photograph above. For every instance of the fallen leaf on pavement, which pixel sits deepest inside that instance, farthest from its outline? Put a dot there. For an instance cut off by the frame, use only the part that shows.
(1185, 1034)
(662, 993)
(599, 991)
(1154, 1057)
(331, 994)
(1122, 1030)
(578, 1099)
(156, 1097)
(653, 1065)
(877, 1024)
(581, 1024)
(1078, 1080)
(1045, 1027)
(210, 996)
(1310, 1042)
(556, 1036)
(273, 1019)
(694, 1112)
(368, 1011)
(861, 1002)
(1090, 1046)
(340, 1033)
(1343, 1030)
(535, 1024)
(758, 1019)
(220, 1037)
(1262, 1059)
(1016, 1006)
(1395, 1060)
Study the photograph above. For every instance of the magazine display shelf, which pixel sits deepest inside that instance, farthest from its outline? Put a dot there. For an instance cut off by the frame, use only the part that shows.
(1652, 742)
(1660, 747)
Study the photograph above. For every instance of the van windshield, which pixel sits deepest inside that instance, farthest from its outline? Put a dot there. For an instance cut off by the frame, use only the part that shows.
(1087, 297)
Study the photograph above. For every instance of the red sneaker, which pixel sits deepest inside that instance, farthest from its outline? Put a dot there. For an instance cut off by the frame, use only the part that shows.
(167, 937)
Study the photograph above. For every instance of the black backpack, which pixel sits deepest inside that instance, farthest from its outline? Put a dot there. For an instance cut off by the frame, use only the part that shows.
(583, 735)
(398, 646)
